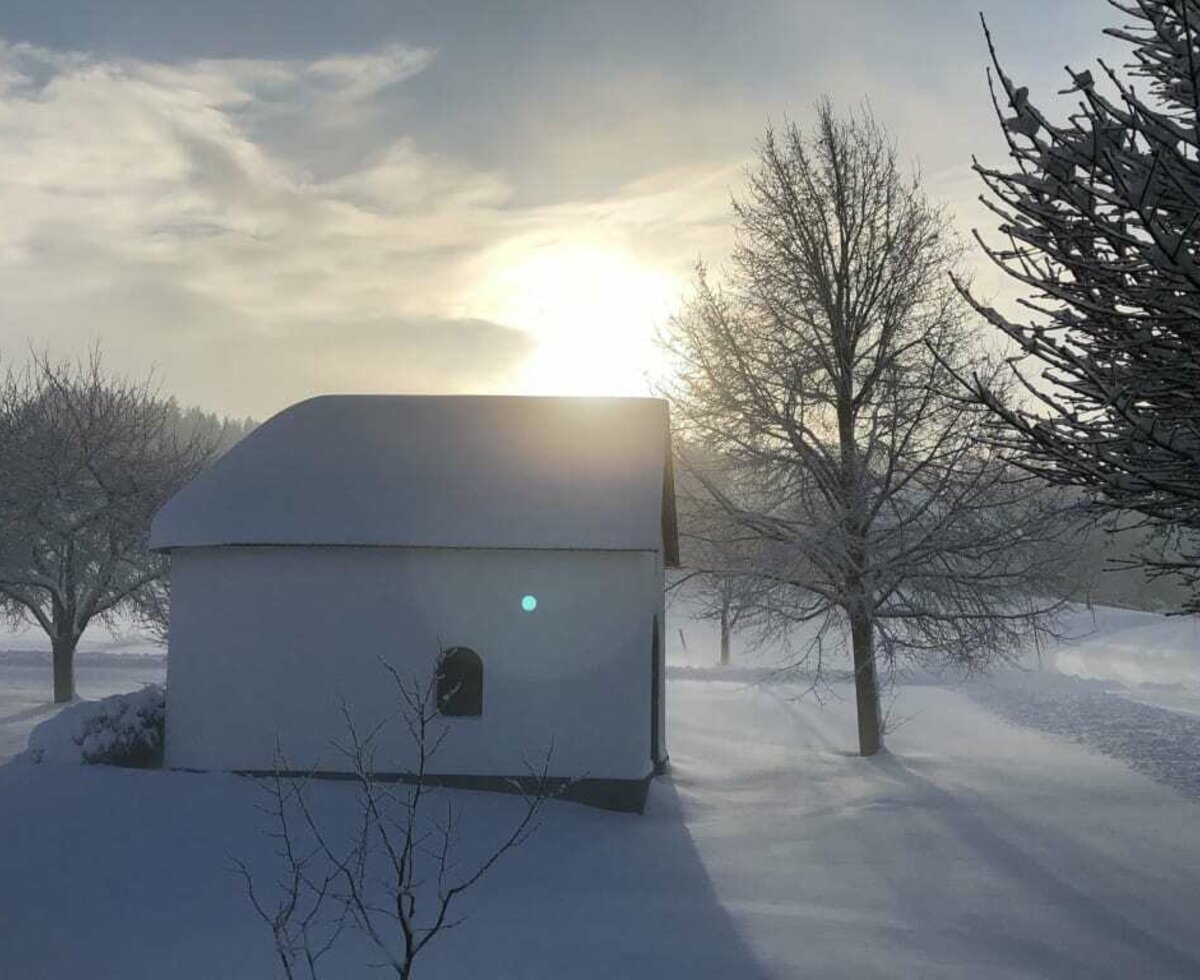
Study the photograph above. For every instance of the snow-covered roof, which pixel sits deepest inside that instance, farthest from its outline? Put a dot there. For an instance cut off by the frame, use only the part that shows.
(439, 471)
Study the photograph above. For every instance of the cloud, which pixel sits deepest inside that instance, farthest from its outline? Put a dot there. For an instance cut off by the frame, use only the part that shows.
(264, 227)
(400, 179)
(185, 215)
(424, 355)
(140, 205)
(355, 77)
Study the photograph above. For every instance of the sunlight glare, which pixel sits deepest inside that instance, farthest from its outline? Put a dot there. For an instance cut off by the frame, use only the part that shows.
(593, 311)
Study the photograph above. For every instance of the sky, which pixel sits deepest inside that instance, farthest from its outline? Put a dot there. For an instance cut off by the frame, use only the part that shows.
(258, 202)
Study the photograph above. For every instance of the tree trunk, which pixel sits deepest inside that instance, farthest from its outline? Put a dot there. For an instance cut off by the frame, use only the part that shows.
(725, 634)
(859, 598)
(63, 648)
(866, 689)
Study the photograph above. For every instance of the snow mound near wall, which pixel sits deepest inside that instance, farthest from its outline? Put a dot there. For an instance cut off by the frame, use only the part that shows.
(125, 729)
(1132, 648)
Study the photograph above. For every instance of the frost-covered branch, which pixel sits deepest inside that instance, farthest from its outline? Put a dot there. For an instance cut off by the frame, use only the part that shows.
(1100, 221)
(397, 876)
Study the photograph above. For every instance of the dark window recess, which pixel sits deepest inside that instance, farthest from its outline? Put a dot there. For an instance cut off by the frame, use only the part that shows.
(460, 682)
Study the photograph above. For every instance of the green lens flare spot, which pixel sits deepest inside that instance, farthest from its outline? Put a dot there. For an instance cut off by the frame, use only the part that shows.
(529, 603)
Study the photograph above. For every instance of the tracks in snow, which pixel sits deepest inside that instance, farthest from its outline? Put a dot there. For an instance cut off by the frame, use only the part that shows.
(1162, 744)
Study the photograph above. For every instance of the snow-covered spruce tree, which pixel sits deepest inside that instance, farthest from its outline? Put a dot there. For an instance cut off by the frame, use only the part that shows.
(1100, 215)
(86, 460)
(822, 370)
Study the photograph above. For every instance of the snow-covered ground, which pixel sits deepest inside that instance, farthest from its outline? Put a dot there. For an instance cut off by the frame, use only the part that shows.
(26, 693)
(988, 842)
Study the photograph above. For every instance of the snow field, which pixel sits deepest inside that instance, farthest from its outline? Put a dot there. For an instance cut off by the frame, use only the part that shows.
(976, 847)
(972, 848)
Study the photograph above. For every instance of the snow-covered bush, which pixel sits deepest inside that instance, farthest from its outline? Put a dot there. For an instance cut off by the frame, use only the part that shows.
(126, 730)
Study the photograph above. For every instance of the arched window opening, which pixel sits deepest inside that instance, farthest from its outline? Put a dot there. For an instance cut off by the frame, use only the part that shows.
(460, 682)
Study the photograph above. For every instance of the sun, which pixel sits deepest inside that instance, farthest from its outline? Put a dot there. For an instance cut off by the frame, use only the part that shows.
(592, 310)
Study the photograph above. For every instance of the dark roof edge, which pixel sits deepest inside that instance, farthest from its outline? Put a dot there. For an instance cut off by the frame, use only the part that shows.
(670, 517)
(166, 549)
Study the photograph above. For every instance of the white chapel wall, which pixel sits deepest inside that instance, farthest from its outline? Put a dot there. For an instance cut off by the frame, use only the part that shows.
(266, 643)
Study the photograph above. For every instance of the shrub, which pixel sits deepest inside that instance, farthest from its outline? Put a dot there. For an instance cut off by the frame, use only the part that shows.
(127, 730)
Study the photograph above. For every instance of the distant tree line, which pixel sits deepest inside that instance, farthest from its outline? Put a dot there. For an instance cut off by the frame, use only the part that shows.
(87, 458)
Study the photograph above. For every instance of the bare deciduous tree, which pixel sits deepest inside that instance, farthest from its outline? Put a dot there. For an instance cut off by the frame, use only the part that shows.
(152, 608)
(710, 545)
(823, 370)
(214, 435)
(86, 459)
(398, 879)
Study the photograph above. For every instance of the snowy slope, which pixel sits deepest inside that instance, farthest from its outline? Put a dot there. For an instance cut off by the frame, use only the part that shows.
(1156, 654)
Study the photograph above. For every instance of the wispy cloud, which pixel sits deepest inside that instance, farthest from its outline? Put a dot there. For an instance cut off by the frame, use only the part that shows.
(140, 206)
(151, 205)
(446, 216)
(351, 78)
